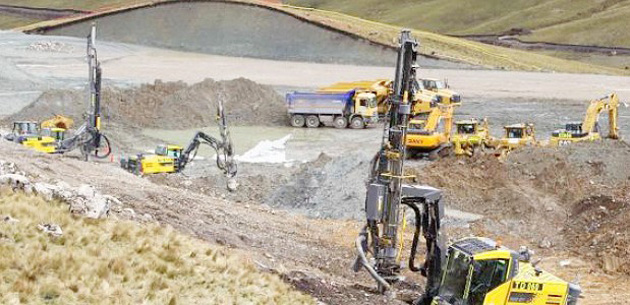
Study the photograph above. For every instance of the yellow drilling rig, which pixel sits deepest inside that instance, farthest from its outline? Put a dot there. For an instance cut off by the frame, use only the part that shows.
(472, 271)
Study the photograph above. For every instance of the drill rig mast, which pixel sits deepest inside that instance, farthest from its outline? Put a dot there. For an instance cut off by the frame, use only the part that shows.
(387, 194)
(88, 137)
(223, 148)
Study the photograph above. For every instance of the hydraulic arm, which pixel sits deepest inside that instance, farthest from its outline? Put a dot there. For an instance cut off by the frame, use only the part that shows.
(222, 147)
(387, 193)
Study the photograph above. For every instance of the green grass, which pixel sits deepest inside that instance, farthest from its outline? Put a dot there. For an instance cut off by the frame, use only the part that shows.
(419, 15)
(455, 48)
(11, 21)
(566, 21)
(72, 4)
(120, 262)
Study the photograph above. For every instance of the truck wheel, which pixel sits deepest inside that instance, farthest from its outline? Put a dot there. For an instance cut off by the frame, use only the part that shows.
(297, 120)
(357, 123)
(312, 121)
(340, 122)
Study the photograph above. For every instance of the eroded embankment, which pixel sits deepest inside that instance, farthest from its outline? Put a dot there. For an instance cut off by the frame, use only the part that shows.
(236, 29)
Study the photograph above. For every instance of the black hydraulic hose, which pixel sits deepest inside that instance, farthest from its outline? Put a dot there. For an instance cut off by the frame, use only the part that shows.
(364, 261)
(107, 147)
(416, 235)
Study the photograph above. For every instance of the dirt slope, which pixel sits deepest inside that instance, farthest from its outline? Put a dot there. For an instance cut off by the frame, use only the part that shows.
(167, 105)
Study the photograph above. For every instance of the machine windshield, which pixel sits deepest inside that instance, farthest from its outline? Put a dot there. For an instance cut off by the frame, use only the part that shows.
(25, 127)
(456, 274)
(515, 133)
(487, 275)
(465, 128)
(431, 84)
(574, 128)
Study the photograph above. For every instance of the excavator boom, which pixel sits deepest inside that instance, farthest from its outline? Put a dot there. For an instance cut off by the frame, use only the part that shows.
(223, 148)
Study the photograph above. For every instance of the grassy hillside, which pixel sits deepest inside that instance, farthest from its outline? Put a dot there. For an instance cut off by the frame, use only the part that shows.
(567, 21)
(72, 4)
(431, 43)
(120, 262)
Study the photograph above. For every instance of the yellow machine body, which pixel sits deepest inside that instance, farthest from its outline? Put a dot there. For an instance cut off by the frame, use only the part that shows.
(163, 161)
(478, 271)
(58, 121)
(469, 135)
(588, 129)
(516, 136)
(427, 136)
(40, 143)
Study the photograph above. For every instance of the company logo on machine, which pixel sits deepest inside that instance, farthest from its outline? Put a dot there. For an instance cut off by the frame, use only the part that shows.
(527, 286)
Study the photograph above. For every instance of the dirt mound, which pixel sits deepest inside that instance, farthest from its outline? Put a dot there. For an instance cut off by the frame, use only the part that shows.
(600, 230)
(168, 105)
(573, 187)
(326, 188)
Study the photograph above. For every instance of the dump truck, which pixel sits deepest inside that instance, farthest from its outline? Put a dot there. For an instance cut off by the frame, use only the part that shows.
(428, 94)
(354, 109)
(472, 271)
(431, 138)
(470, 136)
(588, 129)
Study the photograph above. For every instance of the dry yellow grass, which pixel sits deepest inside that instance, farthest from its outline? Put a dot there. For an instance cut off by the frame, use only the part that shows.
(120, 262)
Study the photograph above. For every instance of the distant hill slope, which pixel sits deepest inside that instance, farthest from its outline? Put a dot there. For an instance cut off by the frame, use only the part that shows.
(565, 21)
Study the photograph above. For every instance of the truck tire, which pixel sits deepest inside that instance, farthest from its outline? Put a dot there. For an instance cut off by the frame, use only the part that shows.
(357, 123)
(312, 121)
(297, 120)
(340, 122)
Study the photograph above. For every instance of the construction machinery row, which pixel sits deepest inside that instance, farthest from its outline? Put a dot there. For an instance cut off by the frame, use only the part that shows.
(471, 271)
(56, 136)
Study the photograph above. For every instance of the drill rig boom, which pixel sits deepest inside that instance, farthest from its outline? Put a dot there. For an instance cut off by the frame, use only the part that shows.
(387, 193)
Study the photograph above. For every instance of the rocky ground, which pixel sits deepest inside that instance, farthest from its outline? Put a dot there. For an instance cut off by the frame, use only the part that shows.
(298, 218)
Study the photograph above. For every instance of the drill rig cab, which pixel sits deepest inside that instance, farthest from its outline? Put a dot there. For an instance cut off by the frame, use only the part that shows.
(29, 134)
(478, 271)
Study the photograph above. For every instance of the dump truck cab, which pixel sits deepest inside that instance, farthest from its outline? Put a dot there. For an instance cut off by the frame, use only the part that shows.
(441, 88)
(365, 105)
(479, 271)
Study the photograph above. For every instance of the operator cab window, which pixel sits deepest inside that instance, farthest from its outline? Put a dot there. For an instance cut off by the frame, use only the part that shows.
(363, 102)
(515, 133)
(487, 275)
(466, 129)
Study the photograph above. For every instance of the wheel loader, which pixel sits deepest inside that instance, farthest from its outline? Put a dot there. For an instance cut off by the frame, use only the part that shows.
(431, 138)
(470, 136)
(588, 129)
(472, 271)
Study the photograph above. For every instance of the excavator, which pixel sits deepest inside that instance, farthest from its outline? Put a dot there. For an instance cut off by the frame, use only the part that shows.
(470, 135)
(431, 137)
(88, 137)
(471, 271)
(174, 158)
(588, 129)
